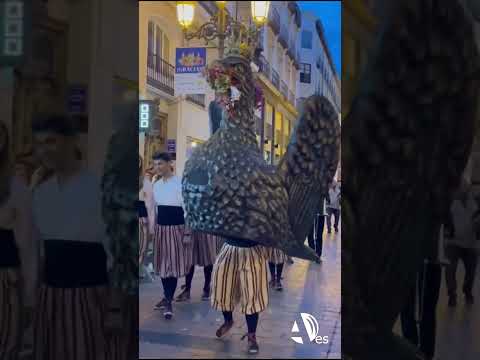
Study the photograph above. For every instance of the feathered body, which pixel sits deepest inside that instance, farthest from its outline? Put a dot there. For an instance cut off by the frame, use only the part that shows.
(229, 189)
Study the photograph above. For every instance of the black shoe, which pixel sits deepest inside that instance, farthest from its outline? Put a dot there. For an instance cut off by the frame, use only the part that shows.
(184, 296)
(222, 330)
(161, 304)
(272, 283)
(469, 299)
(336, 230)
(329, 231)
(452, 301)
(206, 294)
(278, 285)
(252, 343)
(290, 260)
(168, 311)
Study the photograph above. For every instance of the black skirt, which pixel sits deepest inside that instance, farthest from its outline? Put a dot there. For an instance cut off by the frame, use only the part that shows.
(170, 215)
(9, 256)
(75, 264)
(142, 209)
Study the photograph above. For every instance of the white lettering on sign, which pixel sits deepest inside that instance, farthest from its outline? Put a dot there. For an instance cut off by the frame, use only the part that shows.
(144, 115)
(13, 30)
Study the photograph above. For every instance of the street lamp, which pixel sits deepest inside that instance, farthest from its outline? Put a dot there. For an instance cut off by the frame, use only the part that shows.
(221, 25)
(260, 11)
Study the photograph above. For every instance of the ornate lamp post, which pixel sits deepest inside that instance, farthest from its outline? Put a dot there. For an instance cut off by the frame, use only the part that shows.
(221, 25)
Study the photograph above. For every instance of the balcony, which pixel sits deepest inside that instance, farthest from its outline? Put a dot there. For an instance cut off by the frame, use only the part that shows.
(274, 21)
(291, 97)
(275, 79)
(198, 99)
(283, 38)
(160, 74)
(264, 66)
(284, 89)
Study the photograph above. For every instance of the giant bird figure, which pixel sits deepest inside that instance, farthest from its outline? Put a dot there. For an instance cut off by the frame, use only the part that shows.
(405, 144)
(230, 190)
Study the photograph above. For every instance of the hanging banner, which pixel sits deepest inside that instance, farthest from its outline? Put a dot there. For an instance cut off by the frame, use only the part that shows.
(189, 65)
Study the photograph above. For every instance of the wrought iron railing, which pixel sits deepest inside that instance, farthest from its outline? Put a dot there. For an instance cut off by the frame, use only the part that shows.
(264, 66)
(275, 79)
(291, 97)
(284, 89)
(198, 99)
(160, 74)
(274, 21)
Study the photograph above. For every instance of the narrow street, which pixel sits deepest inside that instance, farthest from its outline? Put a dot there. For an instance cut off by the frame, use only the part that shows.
(308, 287)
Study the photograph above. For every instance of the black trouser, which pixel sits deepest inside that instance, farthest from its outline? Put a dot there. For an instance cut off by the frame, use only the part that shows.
(470, 260)
(336, 214)
(317, 244)
(169, 287)
(207, 271)
(432, 274)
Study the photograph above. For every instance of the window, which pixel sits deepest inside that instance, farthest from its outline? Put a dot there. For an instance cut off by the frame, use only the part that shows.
(158, 43)
(305, 71)
(306, 39)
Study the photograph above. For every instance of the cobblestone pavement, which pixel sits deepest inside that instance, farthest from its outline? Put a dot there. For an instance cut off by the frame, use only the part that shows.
(308, 287)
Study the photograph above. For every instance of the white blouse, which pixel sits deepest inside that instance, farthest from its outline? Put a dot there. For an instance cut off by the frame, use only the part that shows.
(16, 215)
(168, 192)
(70, 211)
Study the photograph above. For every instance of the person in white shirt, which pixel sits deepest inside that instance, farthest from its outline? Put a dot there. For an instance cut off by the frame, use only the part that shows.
(18, 258)
(333, 206)
(67, 215)
(172, 250)
(462, 243)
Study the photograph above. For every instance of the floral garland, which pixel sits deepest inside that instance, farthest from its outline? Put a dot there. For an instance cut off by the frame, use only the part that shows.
(223, 81)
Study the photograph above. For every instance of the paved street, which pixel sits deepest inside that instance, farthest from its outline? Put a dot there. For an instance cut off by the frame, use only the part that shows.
(308, 287)
(457, 328)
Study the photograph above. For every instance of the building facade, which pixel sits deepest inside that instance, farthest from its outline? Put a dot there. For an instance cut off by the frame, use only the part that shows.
(76, 52)
(183, 120)
(317, 71)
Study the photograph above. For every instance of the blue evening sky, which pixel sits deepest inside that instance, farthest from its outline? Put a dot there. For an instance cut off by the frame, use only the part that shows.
(330, 13)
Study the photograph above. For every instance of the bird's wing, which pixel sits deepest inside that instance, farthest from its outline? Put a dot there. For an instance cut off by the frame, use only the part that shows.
(405, 144)
(310, 162)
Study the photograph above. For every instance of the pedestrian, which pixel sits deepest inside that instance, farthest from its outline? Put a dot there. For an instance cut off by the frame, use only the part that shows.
(67, 213)
(202, 251)
(333, 206)
(462, 243)
(276, 261)
(145, 195)
(240, 274)
(315, 237)
(171, 236)
(18, 258)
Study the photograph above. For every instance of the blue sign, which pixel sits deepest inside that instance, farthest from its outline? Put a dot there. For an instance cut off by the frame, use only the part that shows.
(190, 60)
(77, 99)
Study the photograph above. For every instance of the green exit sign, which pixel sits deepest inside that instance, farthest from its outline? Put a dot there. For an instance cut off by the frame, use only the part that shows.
(15, 20)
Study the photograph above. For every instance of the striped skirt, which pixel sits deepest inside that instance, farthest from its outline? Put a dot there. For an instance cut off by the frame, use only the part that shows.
(240, 275)
(172, 258)
(219, 241)
(276, 256)
(69, 323)
(204, 249)
(10, 315)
